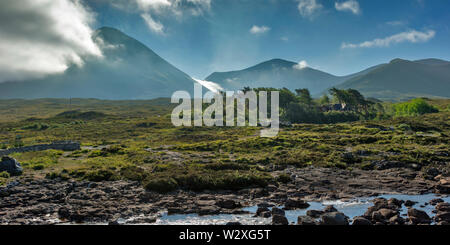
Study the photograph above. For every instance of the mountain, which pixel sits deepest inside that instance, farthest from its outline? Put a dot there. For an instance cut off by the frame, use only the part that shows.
(403, 79)
(275, 73)
(279, 73)
(127, 70)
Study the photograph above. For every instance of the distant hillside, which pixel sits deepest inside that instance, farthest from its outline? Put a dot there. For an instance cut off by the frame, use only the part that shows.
(275, 73)
(280, 73)
(129, 70)
(403, 79)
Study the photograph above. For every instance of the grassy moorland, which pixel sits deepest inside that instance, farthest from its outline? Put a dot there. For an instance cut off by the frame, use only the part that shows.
(135, 140)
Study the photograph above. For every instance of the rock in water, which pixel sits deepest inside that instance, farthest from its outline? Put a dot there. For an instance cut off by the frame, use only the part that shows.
(418, 216)
(334, 218)
(361, 221)
(292, 204)
(279, 220)
(10, 165)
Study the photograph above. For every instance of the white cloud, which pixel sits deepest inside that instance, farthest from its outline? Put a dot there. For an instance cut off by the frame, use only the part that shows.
(301, 65)
(259, 29)
(308, 8)
(350, 6)
(41, 37)
(154, 11)
(410, 36)
(153, 25)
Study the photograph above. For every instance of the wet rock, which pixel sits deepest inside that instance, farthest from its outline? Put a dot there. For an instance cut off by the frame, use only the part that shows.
(262, 212)
(443, 207)
(442, 216)
(361, 221)
(228, 204)
(418, 216)
(114, 222)
(277, 211)
(10, 165)
(306, 220)
(431, 173)
(233, 223)
(409, 203)
(329, 209)
(208, 210)
(142, 220)
(295, 203)
(387, 213)
(443, 223)
(314, 213)
(396, 220)
(279, 220)
(396, 202)
(334, 218)
(436, 201)
(443, 186)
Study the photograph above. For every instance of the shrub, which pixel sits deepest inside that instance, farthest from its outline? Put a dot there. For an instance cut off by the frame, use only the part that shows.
(4, 174)
(161, 185)
(100, 175)
(284, 178)
(414, 107)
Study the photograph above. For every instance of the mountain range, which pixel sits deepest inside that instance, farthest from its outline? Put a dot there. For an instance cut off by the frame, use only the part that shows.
(131, 70)
(127, 70)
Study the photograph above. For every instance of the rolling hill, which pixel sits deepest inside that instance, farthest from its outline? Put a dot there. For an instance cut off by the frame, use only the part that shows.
(403, 79)
(279, 73)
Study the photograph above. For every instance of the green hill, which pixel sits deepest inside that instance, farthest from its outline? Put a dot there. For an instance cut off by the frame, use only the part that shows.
(403, 79)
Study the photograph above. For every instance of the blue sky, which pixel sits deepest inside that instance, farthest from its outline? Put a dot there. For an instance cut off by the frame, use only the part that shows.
(203, 36)
(219, 39)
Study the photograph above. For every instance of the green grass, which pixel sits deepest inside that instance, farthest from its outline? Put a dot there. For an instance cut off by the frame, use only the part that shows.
(135, 140)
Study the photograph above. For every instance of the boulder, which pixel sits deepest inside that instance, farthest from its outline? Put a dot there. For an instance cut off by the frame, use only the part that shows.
(387, 213)
(443, 186)
(435, 201)
(334, 218)
(261, 210)
(228, 204)
(277, 211)
(396, 220)
(396, 202)
(418, 216)
(443, 206)
(10, 165)
(305, 220)
(361, 221)
(314, 213)
(442, 216)
(409, 203)
(295, 203)
(279, 220)
(329, 209)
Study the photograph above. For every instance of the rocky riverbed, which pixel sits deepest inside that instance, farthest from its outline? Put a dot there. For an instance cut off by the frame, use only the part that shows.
(41, 201)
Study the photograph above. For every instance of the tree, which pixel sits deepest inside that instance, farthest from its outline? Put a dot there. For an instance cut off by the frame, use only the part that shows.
(304, 96)
(324, 100)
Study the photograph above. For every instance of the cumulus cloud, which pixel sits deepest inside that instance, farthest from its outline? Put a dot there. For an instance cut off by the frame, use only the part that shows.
(409, 36)
(308, 8)
(349, 6)
(41, 37)
(259, 29)
(301, 65)
(153, 25)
